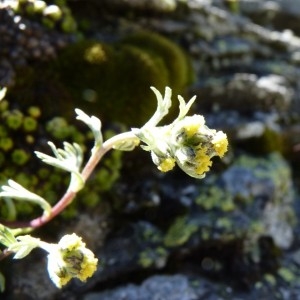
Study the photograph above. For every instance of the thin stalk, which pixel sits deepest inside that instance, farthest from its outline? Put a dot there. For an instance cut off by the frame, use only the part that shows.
(68, 197)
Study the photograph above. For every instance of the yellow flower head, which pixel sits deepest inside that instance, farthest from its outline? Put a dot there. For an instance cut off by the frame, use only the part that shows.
(192, 125)
(167, 164)
(202, 161)
(69, 259)
(193, 145)
(220, 143)
(188, 141)
(193, 161)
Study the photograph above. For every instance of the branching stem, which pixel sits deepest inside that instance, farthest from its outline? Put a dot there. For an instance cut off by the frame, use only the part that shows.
(68, 197)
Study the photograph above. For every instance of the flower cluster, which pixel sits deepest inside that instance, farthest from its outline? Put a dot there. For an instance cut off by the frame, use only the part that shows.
(69, 259)
(187, 141)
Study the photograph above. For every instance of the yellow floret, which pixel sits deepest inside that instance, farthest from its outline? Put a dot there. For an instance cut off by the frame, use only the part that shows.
(203, 161)
(88, 266)
(70, 242)
(220, 143)
(193, 124)
(167, 164)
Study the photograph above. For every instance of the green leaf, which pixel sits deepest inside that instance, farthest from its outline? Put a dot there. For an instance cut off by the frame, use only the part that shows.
(24, 245)
(16, 191)
(163, 106)
(6, 236)
(184, 107)
(93, 123)
(69, 159)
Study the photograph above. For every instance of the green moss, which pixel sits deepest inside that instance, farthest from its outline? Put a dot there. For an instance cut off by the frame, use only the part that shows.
(257, 227)
(91, 199)
(110, 81)
(271, 140)
(58, 128)
(179, 232)
(70, 212)
(205, 233)
(270, 279)
(29, 139)
(34, 111)
(14, 119)
(151, 257)
(286, 274)
(225, 223)
(43, 173)
(151, 235)
(42, 179)
(3, 130)
(29, 124)
(177, 64)
(273, 168)
(26, 180)
(26, 208)
(230, 211)
(19, 157)
(145, 259)
(6, 143)
(3, 105)
(215, 197)
(118, 76)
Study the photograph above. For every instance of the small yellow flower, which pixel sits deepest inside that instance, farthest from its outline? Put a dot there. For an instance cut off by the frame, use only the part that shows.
(193, 124)
(203, 162)
(167, 164)
(220, 143)
(194, 161)
(69, 259)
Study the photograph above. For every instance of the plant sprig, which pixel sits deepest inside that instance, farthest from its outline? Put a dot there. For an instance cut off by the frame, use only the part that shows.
(169, 145)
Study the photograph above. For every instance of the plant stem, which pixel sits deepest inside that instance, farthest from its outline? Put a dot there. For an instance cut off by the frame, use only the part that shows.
(68, 197)
(106, 146)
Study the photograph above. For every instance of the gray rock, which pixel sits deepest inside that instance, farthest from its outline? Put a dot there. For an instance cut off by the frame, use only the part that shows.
(174, 287)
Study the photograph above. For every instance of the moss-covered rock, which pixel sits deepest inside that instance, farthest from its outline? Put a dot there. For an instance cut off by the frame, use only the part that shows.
(254, 197)
(177, 63)
(112, 82)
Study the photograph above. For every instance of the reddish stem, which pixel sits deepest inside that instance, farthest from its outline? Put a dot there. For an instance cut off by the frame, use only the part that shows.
(70, 195)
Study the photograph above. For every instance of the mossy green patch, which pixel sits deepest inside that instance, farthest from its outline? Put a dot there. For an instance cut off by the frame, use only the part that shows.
(215, 197)
(179, 232)
(176, 61)
(19, 157)
(152, 257)
(16, 151)
(112, 82)
(6, 143)
(286, 274)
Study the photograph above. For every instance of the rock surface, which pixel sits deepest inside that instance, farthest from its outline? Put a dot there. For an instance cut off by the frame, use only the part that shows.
(233, 235)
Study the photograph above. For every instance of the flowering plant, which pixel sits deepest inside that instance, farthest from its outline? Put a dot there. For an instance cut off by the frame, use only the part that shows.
(187, 142)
